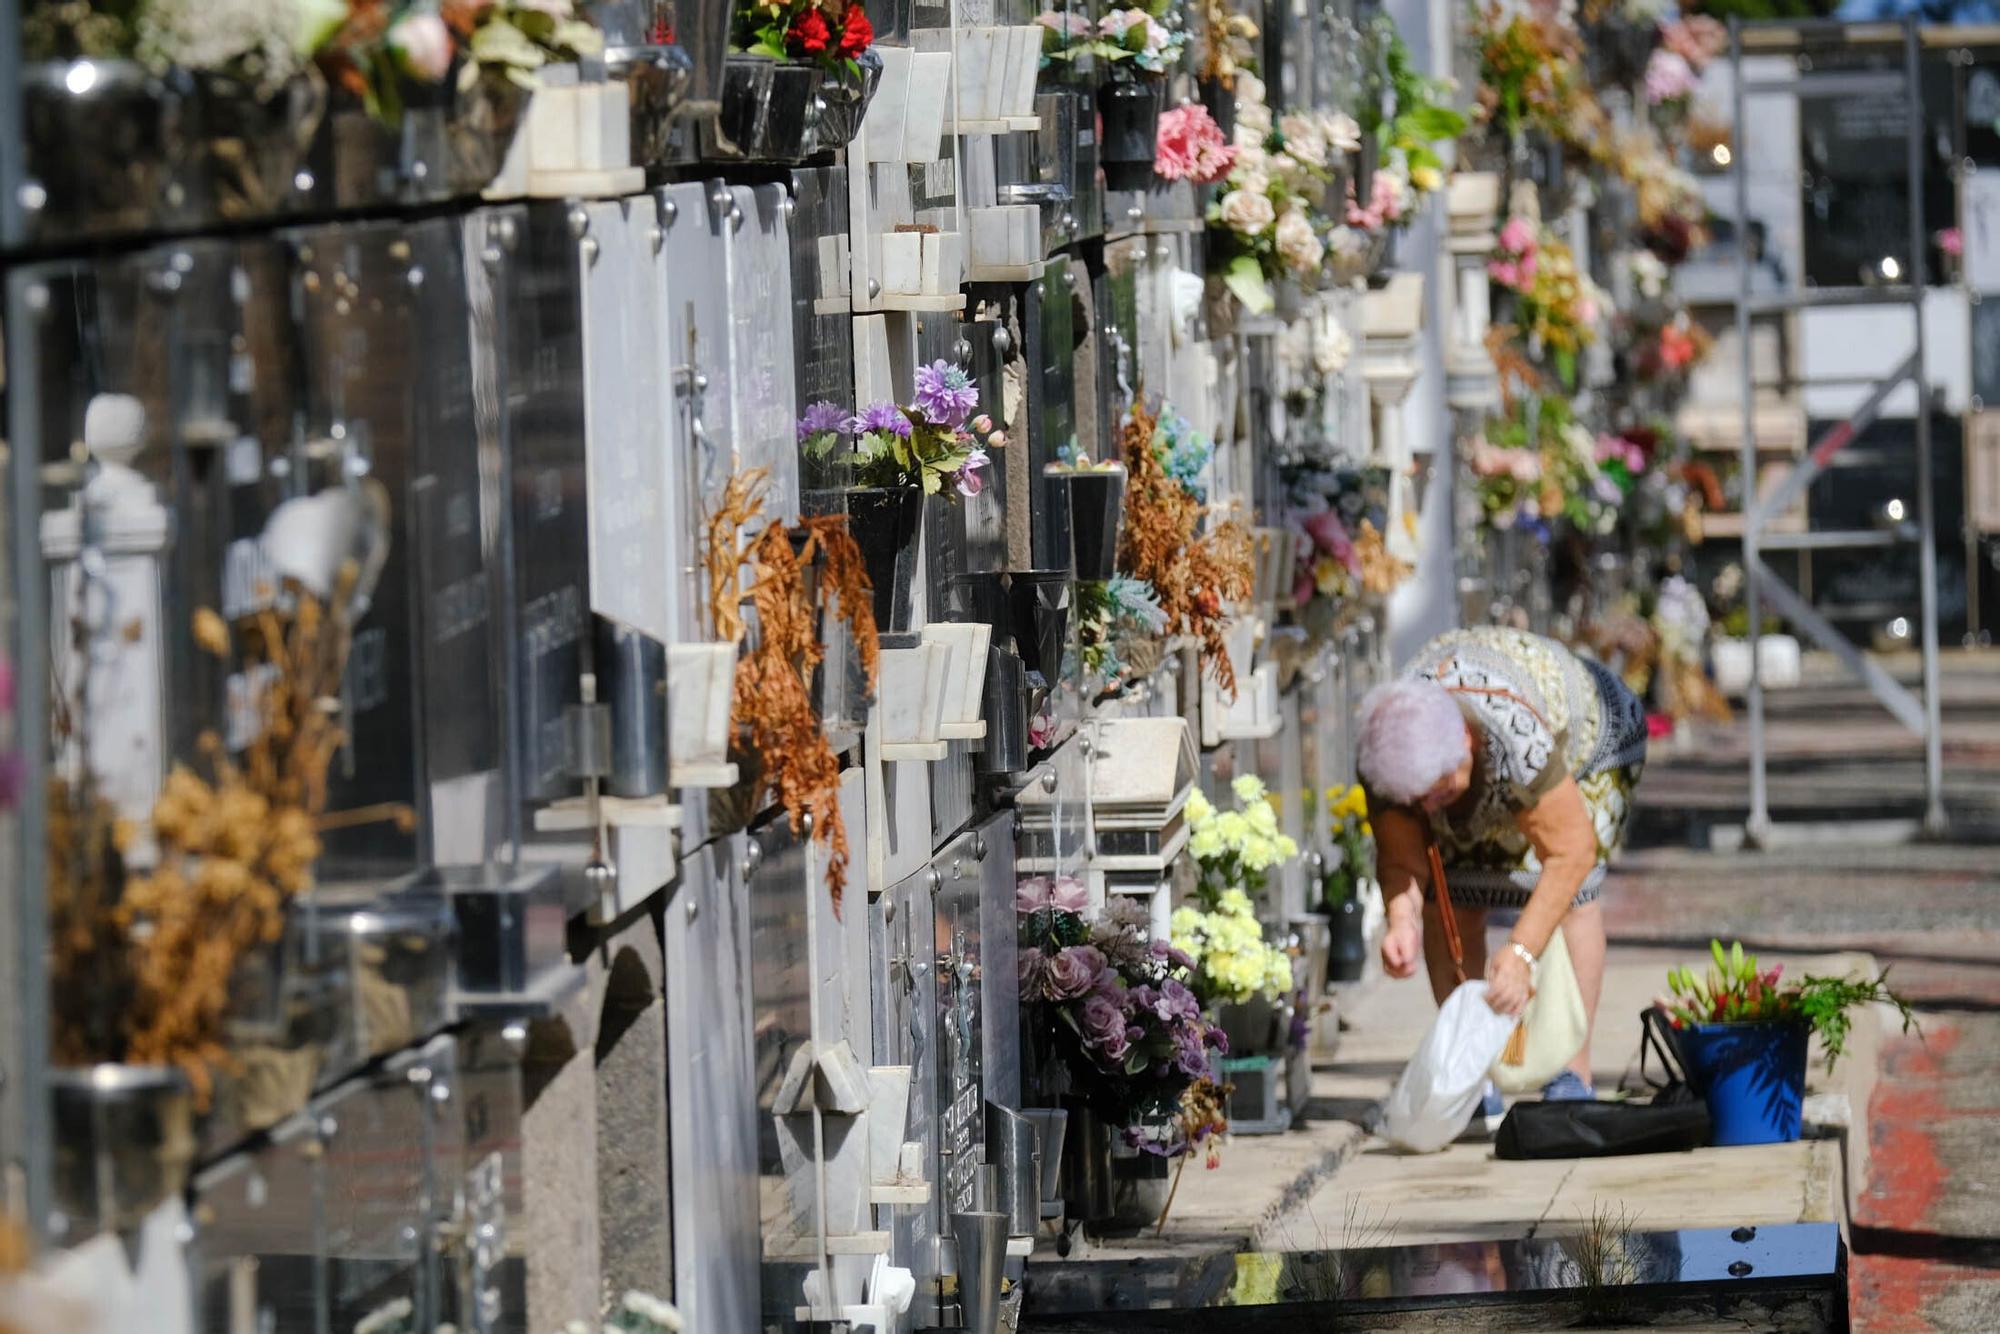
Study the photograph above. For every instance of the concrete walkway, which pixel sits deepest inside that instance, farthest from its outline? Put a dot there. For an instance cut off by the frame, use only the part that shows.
(1330, 1184)
(1381, 1197)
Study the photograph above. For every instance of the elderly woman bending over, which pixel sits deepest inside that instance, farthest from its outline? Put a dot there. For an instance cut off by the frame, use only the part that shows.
(1518, 759)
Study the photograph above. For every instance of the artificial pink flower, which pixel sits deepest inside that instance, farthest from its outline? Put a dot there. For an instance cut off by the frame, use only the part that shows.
(1518, 237)
(1031, 894)
(1329, 534)
(1952, 241)
(1190, 146)
(1068, 894)
(422, 45)
(1697, 39)
(1669, 77)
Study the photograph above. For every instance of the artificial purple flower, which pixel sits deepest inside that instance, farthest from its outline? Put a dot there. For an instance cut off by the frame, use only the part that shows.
(822, 418)
(880, 419)
(1075, 971)
(945, 394)
(1217, 1039)
(1191, 1053)
(1103, 1025)
(1110, 984)
(1034, 974)
(1068, 894)
(1169, 1003)
(1167, 953)
(970, 482)
(1031, 894)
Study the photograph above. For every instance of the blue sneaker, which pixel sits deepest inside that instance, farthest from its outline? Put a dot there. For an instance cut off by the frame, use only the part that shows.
(1568, 1087)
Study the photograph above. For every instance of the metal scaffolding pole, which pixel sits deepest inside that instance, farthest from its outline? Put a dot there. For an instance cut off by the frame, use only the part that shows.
(1759, 512)
(25, 1134)
(1760, 808)
(1926, 501)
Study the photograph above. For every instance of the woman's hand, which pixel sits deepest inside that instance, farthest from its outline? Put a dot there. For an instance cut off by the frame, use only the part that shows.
(1509, 983)
(1403, 948)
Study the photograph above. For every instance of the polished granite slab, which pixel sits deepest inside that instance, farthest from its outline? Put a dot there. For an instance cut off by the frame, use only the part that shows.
(1645, 1267)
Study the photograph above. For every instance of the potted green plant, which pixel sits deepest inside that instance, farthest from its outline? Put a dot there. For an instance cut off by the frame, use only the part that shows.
(1744, 1033)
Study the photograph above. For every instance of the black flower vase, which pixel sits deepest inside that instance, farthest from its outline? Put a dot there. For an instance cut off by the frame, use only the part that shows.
(884, 522)
(1131, 114)
(1039, 600)
(1096, 516)
(1349, 956)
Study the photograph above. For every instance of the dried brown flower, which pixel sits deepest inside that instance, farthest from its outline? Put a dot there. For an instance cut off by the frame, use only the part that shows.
(1194, 574)
(1381, 573)
(211, 633)
(775, 716)
(142, 966)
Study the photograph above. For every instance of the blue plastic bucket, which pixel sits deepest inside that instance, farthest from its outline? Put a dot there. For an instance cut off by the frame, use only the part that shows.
(1754, 1077)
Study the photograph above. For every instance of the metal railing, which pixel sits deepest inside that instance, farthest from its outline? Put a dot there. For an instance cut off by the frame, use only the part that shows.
(1760, 513)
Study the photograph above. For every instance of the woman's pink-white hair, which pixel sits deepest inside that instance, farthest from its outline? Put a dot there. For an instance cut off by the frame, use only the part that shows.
(1412, 734)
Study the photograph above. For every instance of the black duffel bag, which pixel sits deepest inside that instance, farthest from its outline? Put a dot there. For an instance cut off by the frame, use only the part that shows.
(1673, 1120)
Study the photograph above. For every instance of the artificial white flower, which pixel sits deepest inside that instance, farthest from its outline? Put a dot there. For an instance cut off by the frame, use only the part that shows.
(1304, 138)
(1246, 213)
(1254, 180)
(1341, 131)
(1649, 274)
(1298, 245)
(1347, 242)
(1331, 347)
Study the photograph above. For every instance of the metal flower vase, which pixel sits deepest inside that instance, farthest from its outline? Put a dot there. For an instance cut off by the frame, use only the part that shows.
(1040, 600)
(103, 140)
(450, 142)
(124, 1142)
(1086, 1167)
(1256, 1027)
(1096, 520)
(844, 98)
(1130, 112)
(770, 111)
(885, 522)
(249, 144)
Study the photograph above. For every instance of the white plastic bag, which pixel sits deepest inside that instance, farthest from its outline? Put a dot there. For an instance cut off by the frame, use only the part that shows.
(1553, 1027)
(1434, 1100)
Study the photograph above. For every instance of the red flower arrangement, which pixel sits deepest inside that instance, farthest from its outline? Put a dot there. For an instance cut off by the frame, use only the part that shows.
(857, 34)
(809, 35)
(833, 32)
